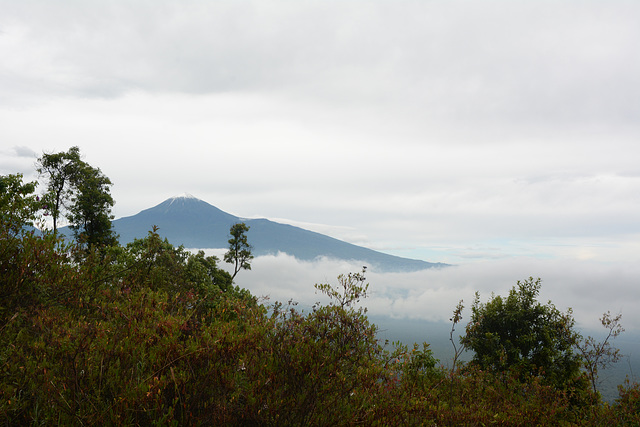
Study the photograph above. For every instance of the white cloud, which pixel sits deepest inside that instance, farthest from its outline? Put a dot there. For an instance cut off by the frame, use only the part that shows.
(589, 288)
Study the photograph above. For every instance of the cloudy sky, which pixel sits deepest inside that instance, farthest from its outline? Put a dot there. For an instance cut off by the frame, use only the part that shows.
(483, 133)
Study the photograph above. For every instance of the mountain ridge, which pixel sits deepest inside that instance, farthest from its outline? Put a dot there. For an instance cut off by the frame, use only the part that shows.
(191, 222)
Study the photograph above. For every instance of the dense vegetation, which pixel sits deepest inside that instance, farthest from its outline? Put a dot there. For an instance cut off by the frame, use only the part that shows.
(92, 332)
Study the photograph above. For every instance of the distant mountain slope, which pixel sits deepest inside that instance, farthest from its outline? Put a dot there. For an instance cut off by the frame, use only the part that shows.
(194, 223)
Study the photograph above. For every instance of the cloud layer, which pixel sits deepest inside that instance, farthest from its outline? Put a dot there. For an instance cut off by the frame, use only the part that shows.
(587, 288)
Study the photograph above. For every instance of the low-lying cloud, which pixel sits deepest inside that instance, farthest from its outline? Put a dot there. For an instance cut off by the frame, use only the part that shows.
(588, 288)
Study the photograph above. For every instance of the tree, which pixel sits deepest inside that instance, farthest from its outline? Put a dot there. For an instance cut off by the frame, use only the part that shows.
(18, 204)
(156, 263)
(600, 355)
(83, 191)
(90, 212)
(518, 333)
(239, 252)
(204, 269)
(58, 169)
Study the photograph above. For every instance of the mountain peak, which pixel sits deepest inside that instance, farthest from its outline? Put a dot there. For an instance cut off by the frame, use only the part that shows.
(184, 196)
(184, 199)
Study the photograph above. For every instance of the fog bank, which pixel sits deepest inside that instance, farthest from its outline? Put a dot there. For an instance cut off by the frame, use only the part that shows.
(588, 287)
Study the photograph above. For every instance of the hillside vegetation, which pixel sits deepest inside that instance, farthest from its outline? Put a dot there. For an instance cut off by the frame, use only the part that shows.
(94, 333)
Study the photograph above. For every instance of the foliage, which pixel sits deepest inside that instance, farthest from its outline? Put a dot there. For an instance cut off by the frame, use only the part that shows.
(472, 397)
(627, 408)
(59, 170)
(29, 260)
(90, 212)
(83, 191)
(109, 340)
(351, 288)
(323, 365)
(239, 253)
(31, 268)
(518, 333)
(600, 355)
(155, 263)
(18, 204)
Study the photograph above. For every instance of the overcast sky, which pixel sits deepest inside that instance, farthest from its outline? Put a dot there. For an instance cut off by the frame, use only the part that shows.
(452, 131)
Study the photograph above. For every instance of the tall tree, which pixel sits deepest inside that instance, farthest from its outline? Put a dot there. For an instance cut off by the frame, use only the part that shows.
(90, 212)
(83, 192)
(239, 252)
(59, 170)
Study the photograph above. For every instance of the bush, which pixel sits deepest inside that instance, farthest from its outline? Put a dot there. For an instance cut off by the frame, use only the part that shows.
(519, 334)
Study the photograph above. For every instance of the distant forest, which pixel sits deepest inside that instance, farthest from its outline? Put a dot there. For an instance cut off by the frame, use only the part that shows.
(94, 332)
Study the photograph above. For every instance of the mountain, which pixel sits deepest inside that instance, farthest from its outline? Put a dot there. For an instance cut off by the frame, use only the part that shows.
(191, 222)
(184, 220)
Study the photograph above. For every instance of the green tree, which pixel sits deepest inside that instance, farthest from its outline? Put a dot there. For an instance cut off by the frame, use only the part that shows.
(59, 170)
(90, 212)
(239, 253)
(204, 269)
(518, 333)
(83, 191)
(155, 263)
(18, 203)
